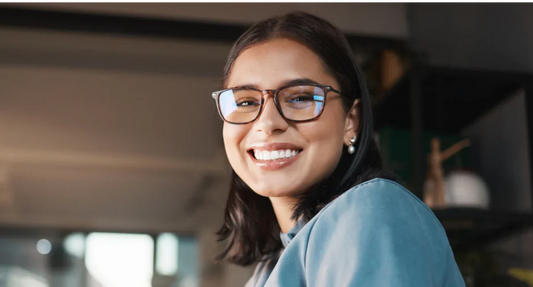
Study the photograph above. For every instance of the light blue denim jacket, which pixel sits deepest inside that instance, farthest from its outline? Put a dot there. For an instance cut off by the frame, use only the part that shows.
(375, 234)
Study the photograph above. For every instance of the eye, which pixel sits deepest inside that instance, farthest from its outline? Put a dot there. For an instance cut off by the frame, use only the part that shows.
(301, 97)
(247, 103)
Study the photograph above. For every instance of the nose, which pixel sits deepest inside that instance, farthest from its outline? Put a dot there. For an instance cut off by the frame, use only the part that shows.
(270, 119)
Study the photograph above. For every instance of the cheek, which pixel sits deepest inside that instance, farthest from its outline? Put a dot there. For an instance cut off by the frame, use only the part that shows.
(326, 141)
(233, 136)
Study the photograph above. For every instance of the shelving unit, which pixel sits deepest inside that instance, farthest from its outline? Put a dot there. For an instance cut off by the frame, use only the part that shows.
(446, 100)
(468, 228)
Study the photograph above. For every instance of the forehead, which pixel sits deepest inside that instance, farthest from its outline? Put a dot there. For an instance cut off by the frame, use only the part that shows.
(269, 64)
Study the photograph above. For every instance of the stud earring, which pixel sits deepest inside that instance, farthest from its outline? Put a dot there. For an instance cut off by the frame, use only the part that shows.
(351, 148)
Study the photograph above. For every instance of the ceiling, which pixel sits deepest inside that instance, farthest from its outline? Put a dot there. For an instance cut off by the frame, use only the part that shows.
(378, 19)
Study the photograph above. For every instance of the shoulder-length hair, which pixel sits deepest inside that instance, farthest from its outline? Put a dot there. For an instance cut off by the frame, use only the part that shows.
(250, 225)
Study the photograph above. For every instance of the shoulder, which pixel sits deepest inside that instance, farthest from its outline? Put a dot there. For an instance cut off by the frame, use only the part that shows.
(379, 198)
(378, 207)
(375, 234)
(384, 225)
(379, 193)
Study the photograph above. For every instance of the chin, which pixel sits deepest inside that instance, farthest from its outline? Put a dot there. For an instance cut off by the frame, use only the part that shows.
(267, 189)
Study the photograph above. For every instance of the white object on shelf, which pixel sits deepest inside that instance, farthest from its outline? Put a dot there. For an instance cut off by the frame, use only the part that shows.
(466, 189)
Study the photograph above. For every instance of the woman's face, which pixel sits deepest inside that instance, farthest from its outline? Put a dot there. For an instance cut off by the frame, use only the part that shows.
(318, 143)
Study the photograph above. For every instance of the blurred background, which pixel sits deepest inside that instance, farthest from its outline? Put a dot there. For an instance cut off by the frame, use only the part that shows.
(112, 167)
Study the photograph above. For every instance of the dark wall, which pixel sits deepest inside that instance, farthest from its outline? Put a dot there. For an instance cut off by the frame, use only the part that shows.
(492, 36)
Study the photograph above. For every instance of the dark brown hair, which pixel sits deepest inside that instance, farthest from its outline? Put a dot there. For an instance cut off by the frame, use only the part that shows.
(250, 225)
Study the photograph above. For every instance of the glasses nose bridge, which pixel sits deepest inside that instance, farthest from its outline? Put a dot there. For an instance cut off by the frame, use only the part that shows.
(269, 92)
(272, 93)
(266, 94)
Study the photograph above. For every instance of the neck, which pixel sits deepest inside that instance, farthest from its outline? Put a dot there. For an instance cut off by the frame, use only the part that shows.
(283, 208)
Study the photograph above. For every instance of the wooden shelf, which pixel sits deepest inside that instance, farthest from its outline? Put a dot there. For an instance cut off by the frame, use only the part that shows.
(470, 228)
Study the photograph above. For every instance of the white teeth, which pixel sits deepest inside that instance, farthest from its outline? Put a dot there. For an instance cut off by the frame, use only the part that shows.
(274, 155)
(258, 154)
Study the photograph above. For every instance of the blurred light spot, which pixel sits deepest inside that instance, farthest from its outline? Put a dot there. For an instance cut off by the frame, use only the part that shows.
(167, 254)
(44, 246)
(75, 244)
(118, 260)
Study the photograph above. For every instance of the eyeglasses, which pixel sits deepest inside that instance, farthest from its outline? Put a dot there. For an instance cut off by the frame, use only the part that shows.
(297, 103)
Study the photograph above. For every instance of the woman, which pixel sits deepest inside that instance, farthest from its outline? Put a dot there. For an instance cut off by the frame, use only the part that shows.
(298, 135)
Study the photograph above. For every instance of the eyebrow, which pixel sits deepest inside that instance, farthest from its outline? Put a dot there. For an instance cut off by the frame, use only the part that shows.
(299, 81)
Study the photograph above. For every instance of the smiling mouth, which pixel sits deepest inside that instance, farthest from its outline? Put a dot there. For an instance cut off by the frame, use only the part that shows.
(273, 155)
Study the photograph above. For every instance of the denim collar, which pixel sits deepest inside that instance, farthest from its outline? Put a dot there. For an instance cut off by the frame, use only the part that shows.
(287, 237)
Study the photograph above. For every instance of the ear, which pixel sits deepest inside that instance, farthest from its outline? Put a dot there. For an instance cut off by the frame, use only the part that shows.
(353, 119)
